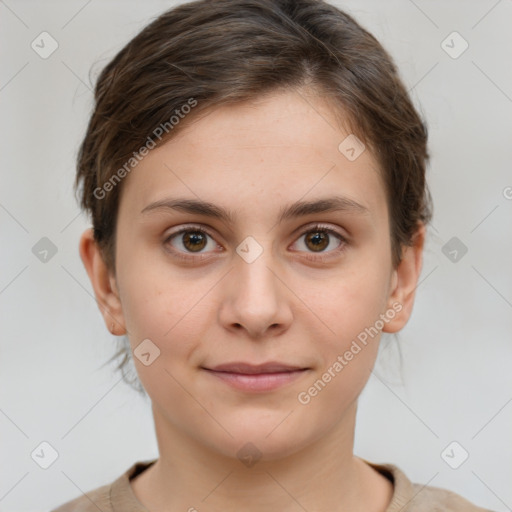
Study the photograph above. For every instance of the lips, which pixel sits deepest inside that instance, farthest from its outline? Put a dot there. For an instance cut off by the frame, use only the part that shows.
(260, 378)
(251, 369)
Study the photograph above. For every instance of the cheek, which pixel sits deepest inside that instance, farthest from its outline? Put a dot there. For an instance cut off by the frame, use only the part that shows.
(350, 309)
(170, 310)
(168, 316)
(154, 309)
(350, 303)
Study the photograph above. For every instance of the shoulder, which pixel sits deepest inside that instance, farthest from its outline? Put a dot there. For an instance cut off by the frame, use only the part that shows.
(433, 499)
(415, 497)
(117, 495)
(92, 501)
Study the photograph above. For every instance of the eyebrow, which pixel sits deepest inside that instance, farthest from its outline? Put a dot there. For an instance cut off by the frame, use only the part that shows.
(294, 210)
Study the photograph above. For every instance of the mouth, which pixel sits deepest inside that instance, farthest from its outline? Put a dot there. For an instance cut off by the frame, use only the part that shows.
(256, 378)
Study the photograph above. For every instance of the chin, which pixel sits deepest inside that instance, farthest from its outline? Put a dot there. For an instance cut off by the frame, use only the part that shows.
(263, 439)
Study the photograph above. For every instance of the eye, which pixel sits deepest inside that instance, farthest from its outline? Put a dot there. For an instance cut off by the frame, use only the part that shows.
(192, 243)
(318, 239)
(189, 242)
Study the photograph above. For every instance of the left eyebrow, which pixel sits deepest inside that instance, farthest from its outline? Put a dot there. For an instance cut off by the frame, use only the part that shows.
(324, 205)
(297, 209)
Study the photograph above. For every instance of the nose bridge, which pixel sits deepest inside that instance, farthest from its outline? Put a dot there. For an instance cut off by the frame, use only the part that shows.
(256, 280)
(255, 300)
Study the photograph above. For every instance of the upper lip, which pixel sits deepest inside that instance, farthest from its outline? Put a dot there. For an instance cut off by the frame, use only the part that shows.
(252, 369)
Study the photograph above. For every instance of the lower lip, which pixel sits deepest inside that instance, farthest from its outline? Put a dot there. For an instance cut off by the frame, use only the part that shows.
(258, 382)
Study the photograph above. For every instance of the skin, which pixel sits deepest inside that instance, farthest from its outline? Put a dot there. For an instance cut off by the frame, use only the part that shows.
(253, 159)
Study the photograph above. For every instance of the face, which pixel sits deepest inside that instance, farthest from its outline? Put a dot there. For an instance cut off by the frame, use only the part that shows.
(271, 280)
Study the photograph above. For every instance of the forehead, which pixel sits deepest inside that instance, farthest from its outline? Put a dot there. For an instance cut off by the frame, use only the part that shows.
(260, 154)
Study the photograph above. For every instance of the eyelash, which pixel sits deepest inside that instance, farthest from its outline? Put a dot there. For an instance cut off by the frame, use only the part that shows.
(317, 228)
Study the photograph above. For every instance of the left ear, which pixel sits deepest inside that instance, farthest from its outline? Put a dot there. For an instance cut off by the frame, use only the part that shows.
(404, 282)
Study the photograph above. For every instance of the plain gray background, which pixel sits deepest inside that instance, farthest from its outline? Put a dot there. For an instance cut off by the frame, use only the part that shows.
(456, 383)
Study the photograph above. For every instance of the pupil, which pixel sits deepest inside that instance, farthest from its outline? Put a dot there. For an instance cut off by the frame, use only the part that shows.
(319, 240)
(196, 239)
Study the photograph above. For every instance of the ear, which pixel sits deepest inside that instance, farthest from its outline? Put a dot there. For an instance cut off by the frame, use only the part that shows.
(404, 281)
(103, 282)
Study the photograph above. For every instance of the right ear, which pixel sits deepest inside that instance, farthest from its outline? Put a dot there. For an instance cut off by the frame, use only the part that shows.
(103, 282)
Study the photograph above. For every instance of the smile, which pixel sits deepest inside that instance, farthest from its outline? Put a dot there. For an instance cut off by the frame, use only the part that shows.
(257, 379)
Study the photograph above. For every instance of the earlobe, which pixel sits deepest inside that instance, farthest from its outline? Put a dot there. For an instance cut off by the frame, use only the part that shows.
(404, 282)
(103, 283)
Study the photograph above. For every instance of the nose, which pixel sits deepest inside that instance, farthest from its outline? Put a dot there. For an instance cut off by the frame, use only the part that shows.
(255, 298)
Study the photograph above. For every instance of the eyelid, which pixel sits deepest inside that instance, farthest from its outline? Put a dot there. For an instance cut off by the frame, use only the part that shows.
(321, 226)
(190, 227)
(183, 229)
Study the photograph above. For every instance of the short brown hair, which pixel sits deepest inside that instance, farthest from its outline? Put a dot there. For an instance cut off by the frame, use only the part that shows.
(229, 51)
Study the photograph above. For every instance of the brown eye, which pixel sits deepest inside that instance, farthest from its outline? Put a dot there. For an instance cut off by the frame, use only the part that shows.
(322, 240)
(317, 240)
(194, 240)
(191, 242)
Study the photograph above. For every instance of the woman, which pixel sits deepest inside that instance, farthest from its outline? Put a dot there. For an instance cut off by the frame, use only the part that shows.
(255, 175)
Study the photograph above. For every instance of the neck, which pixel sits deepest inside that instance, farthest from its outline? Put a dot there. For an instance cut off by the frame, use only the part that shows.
(324, 475)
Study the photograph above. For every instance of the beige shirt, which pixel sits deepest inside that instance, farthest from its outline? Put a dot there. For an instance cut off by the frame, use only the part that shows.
(407, 496)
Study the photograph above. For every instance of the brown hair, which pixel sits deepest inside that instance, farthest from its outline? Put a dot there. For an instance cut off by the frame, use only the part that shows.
(205, 54)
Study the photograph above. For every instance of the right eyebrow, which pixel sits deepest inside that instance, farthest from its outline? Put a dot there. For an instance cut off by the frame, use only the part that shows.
(191, 206)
